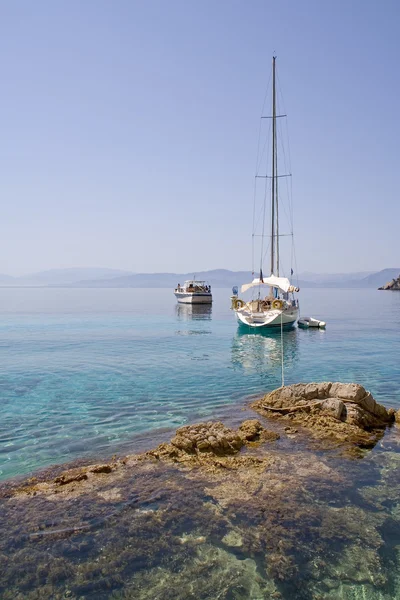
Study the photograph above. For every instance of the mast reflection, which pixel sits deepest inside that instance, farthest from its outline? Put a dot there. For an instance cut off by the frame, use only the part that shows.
(258, 351)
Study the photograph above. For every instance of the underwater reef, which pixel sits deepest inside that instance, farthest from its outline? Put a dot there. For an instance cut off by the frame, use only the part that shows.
(296, 504)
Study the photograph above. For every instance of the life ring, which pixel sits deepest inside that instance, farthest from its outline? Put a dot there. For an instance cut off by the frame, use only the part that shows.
(278, 304)
(238, 303)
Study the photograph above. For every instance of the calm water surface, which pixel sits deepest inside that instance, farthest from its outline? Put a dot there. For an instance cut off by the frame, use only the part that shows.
(90, 371)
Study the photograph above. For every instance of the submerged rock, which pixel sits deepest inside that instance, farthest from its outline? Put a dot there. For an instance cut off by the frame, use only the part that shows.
(217, 514)
(342, 411)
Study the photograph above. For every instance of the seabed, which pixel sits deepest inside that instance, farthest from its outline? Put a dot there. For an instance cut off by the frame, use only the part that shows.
(285, 519)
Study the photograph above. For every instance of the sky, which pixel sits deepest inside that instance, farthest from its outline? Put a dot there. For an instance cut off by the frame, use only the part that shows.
(129, 131)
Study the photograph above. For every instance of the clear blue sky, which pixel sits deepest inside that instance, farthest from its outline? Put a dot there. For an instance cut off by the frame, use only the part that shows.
(129, 131)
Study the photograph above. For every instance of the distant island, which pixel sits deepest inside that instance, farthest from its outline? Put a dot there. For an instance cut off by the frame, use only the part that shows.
(217, 278)
(393, 285)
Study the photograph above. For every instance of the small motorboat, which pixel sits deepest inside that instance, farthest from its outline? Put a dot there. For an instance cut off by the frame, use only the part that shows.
(193, 292)
(306, 322)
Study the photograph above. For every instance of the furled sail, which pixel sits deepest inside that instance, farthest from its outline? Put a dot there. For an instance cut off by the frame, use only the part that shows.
(282, 283)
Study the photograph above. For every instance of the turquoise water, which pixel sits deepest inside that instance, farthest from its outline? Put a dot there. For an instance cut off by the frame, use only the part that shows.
(87, 372)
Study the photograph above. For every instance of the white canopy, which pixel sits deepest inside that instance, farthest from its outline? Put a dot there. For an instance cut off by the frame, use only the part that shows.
(281, 283)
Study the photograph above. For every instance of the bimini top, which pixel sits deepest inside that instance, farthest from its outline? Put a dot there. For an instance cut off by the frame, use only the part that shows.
(282, 283)
(193, 282)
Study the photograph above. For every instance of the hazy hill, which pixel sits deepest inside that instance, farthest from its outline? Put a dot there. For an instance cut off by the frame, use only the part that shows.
(4, 279)
(221, 278)
(224, 278)
(380, 278)
(217, 278)
(62, 276)
(333, 278)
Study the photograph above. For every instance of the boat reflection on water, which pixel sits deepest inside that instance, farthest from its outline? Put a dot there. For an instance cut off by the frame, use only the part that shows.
(259, 350)
(193, 312)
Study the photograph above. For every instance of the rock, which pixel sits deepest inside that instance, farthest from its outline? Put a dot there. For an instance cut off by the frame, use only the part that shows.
(333, 407)
(203, 445)
(207, 437)
(392, 285)
(237, 442)
(69, 478)
(397, 416)
(291, 430)
(311, 391)
(250, 429)
(101, 469)
(212, 445)
(347, 391)
(343, 411)
(183, 443)
(269, 436)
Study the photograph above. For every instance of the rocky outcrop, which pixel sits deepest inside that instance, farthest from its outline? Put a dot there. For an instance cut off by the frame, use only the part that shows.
(207, 437)
(343, 411)
(215, 438)
(212, 445)
(392, 285)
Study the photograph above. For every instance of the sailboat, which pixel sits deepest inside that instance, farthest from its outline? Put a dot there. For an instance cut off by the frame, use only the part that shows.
(273, 303)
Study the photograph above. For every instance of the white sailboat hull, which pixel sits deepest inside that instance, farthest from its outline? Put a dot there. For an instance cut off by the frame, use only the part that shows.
(269, 318)
(194, 297)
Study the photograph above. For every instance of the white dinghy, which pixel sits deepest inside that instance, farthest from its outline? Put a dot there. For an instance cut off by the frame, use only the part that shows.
(307, 322)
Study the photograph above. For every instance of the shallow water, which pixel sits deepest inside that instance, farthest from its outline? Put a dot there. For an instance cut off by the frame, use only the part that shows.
(89, 372)
(92, 372)
(308, 526)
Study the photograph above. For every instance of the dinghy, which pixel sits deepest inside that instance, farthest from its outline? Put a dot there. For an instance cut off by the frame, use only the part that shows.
(307, 322)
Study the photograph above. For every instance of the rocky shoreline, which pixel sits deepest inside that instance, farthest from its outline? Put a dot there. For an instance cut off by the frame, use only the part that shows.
(392, 285)
(219, 512)
(339, 415)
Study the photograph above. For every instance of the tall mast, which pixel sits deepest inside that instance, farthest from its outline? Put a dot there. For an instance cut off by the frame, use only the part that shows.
(277, 204)
(273, 167)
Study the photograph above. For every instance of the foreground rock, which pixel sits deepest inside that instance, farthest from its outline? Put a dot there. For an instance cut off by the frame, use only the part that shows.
(205, 444)
(345, 412)
(215, 513)
(211, 446)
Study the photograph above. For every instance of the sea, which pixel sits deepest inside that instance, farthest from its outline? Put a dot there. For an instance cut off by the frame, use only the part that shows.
(97, 372)
(91, 374)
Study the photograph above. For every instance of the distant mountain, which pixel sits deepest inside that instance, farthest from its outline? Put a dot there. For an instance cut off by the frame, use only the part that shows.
(218, 278)
(333, 278)
(62, 276)
(363, 279)
(223, 278)
(6, 279)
